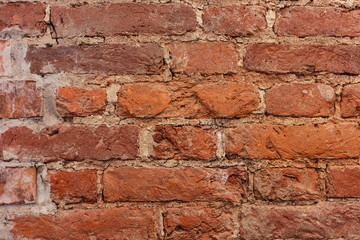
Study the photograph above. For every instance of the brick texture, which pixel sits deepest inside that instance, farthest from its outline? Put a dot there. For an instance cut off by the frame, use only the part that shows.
(62, 142)
(116, 223)
(5, 58)
(17, 185)
(123, 18)
(343, 181)
(314, 21)
(20, 99)
(161, 184)
(350, 101)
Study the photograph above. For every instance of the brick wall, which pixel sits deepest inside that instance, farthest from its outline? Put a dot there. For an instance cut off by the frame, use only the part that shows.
(203, 119)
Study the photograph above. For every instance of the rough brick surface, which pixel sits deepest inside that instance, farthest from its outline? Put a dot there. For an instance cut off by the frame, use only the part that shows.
(116, 223)
(203, 57)
(309, 100)
(5, 58)
(350, 101)
(74, 101)
(110, 59)
(281, 184)
(184, 142)
(162, 184)
(234, 21)
(73, 187)
(123, 18)
(256, 141)
(66, 142)
(17, 185)
(26, 16)
(225, 100)
(276, 58)
(20, 99)
(319, 221)
(343, 181)
(313, 21)
(198, 223)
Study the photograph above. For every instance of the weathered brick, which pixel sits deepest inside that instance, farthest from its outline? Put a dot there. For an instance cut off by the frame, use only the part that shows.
(324, 220)
(276, 58)
(74, 101)
(24, 15)
(5, 58)
(198, 223)
(329, 141)
(163, 184)
(305, 21)
(69, 142)
(20, 99)
(115, 223)
(17, 185)
(72, 187)
(203, 58)
(110, 59)
(235, 21)
(122, 18)
(184, 142)
(343, 181)
(286, 184)
(308, 100)
(350, 101)
(210, 100)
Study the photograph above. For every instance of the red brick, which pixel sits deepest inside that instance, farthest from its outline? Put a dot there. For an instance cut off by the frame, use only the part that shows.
(307, 100)
(17, 185)
(73, 187)
(26, 16)
(20, 99)
(305, 21)
(203, 58)
(110, 59)
(198, 223)
(122, 18)
(286, 184)
(74, 101)
(114, 223)
(209, 100)
(305, 59)
(164, 184)
(5, 57)
(329, 141)
(66, 142)
(184, 142)
(343, 181)
(235, 21)
(321, 221)
(350, 101)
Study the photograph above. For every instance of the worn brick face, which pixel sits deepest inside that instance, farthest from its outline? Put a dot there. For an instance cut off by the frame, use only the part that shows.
(123, 18)
(66, 142)
(350, 101)
(5, 58)
(306, 59)
(26, 16)
(343, 181)
(282, 184)
(110, 59)
(17, 185)
(313, 21)
(184, 142)
(203, 57)
(235, 21)
(74, 101)
(19, 99)
(74, 186)
(198, 223)
(162, 184)
(256, 141)
(116, 223)
(309, 100)
(224, 100)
